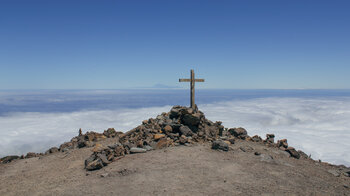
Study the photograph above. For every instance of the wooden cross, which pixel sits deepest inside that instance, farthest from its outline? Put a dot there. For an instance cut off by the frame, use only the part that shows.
(192, 80)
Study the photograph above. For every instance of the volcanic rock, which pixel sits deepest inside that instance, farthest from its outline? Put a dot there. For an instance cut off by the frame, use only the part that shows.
(238, 132)
(219, 145)
(270, 138)
(293, 152)
(282, 143)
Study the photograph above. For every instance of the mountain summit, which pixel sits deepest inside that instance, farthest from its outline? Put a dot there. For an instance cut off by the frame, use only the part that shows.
(177, 153)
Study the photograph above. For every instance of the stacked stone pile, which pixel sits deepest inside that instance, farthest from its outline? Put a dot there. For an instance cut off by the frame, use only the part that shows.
(180, 126)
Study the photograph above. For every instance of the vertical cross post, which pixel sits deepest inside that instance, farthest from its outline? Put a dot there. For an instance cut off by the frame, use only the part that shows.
(192, 81)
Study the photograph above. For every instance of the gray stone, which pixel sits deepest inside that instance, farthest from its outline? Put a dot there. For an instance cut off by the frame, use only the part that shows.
(270, 138)
(103, 159)
(334, 172)
(284, 153)
(293, 152)
(219, 145)
(237, 131)
(147, 147)
(191, 119)
(94, 165)
(184, 130)
(104, 175)
(137, 150)
(266, 158)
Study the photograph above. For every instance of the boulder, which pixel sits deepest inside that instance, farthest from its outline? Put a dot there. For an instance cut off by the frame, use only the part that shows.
(175, 112)
(185, 130)
(270, 138)
(103, 158)
(282, 143)
(237, 131)
(30, 155)
(94, 165)
(219, 145)
(256, 138)
(293, 152)
(191, 119)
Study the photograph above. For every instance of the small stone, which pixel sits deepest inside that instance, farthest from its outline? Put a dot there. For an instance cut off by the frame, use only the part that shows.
(158, 136)
(104, 175)
(94, 165)
(139, 143)
(227, 142)
(219, 145)
(257, 153)
(137, 150)
(183, 140)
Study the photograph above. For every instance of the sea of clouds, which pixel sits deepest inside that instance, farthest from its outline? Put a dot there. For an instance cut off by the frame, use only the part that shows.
(318, 126)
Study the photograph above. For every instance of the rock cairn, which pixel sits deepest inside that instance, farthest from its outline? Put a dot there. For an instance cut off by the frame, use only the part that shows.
(180, 126)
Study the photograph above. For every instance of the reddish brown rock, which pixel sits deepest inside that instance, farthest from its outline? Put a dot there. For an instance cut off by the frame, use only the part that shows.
(162, 143)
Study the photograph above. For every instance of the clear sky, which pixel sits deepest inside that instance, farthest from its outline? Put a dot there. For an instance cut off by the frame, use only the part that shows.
(129, 44)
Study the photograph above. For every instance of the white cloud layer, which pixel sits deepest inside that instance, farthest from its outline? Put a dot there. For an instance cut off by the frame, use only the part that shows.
(320, 127)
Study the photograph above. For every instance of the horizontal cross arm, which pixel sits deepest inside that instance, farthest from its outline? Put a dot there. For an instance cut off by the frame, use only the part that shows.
(189, 80)
(184, 80)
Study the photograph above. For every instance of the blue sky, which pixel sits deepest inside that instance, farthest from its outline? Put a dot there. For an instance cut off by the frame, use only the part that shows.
(131, 44)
